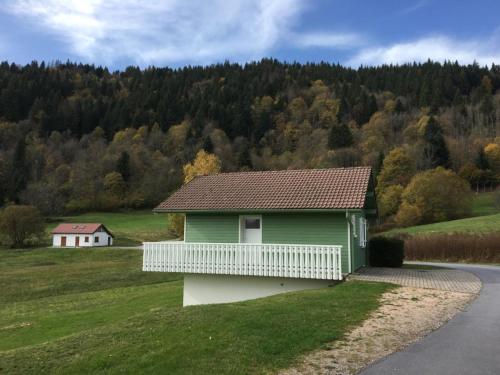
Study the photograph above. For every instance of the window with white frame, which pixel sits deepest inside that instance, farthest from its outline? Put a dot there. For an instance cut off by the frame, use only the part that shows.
(362, 232)
(353, 222)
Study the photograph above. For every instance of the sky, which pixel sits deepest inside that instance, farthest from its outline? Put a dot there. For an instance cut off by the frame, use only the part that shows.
(119, 33)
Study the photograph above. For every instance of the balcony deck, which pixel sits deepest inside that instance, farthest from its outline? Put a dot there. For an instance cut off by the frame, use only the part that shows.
(320, 262)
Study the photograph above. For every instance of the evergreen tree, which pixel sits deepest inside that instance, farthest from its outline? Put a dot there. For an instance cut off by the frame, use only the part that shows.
(340, 136)
(19, 172)
(244, 159)
(398, 108)
(380, 162)
(482, 161)
(435, 149)
(343, 109)
(123, 165)
(208, 146)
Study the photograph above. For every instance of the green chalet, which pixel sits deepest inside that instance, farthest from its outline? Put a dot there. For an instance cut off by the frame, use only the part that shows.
(254, 234)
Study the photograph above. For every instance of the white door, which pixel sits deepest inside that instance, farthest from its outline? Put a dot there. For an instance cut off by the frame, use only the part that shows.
(251, 229)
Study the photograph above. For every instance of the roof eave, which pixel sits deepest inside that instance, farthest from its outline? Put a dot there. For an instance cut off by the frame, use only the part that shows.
(255, 210)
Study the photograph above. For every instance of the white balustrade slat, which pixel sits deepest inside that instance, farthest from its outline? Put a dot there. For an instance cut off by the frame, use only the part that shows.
(274, 260)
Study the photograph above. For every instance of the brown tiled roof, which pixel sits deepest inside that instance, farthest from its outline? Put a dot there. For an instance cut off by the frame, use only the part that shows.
(334, 188)
(78, 228)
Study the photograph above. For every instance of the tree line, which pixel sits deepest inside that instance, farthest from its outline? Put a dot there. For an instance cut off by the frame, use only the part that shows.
(76, 137)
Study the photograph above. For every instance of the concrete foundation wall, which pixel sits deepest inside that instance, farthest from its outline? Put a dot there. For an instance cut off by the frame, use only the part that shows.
(200, 289)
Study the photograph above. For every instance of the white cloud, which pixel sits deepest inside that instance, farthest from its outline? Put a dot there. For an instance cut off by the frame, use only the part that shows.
(437, 48)
(413, 8)
(207, 31)
(156, 31)
(329, 40)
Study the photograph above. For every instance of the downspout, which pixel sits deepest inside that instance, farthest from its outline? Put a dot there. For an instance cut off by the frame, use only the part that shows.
(349, 240)
(185, 222)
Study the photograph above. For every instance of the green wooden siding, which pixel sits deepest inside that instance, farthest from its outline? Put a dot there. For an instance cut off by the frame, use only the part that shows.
(285, 228)
(221, 228)
(307, 228)
(313, 228)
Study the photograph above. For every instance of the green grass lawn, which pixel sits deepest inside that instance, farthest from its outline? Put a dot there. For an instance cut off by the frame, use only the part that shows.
(93, 311)
(483, 204)
(38, 273)
(129, 228)
(479, 224)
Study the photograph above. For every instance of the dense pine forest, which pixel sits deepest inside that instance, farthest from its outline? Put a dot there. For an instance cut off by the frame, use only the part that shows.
(78, 137)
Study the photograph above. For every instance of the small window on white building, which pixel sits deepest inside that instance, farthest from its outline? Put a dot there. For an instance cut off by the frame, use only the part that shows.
(96, 239)
(86, 239)
(362, 232)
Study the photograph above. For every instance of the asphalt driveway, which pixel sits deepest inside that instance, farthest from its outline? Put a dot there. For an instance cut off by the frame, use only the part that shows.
(468, 344)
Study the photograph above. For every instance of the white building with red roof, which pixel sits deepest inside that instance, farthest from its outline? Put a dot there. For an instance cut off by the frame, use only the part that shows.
(81, 235)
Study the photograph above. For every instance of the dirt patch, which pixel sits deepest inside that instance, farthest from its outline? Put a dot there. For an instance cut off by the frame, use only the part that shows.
(406, 314)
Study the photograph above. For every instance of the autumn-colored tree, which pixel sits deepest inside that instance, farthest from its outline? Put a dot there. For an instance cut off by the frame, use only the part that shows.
(492, 152)
(397, 169)
(472, 174)
(55, 149)
(436, 195)
(297, 109)
(389, 200)
(114, 184)
(176, 225)
(204, 164)
(20, 223)
(408, 214)
(376, 136)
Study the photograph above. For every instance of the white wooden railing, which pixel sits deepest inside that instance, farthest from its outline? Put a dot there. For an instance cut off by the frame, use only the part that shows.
(277, 260)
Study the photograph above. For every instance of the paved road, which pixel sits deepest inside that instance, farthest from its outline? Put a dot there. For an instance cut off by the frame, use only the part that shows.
(468, 344)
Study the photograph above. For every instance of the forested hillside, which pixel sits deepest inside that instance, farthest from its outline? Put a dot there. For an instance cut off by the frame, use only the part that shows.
(78, 137)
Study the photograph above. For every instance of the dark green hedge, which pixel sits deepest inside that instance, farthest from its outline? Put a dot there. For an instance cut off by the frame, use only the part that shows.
(386, 252)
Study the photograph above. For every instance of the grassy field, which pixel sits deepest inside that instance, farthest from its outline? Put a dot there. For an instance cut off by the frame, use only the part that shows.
(479, 224)
(93, 311)
(484, 204)
(129, 228)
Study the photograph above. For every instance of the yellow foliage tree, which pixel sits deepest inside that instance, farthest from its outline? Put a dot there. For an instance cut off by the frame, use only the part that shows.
(375, 137)
(408, 214)
(397, 169)
(204, 164)
(436, 195)
(297, 109)
(177, 135)
(114, 183)
(492, 152)
(389, 200)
